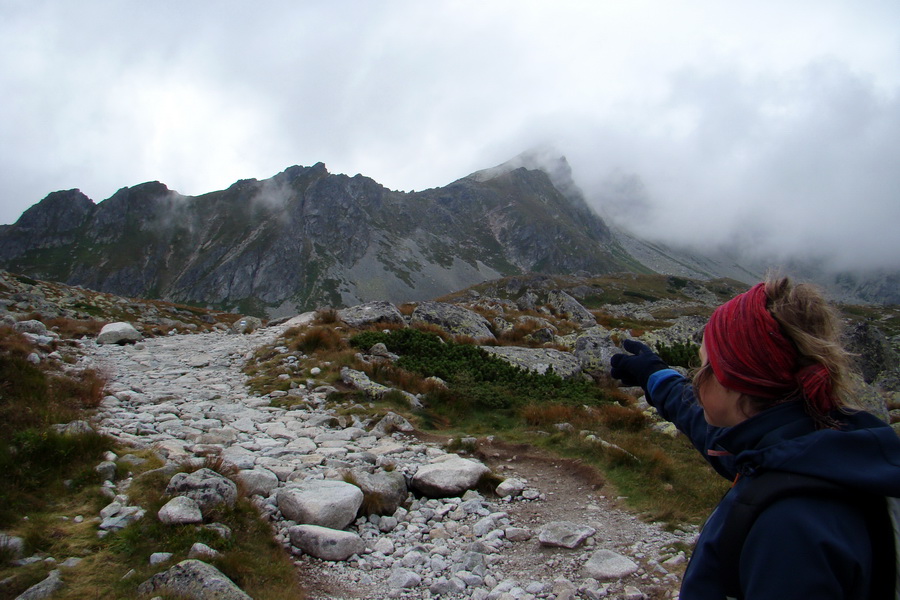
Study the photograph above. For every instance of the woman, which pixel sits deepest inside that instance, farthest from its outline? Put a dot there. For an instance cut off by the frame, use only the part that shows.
(770, 396)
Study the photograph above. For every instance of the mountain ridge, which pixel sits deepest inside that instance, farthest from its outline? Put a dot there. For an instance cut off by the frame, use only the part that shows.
(306, 237)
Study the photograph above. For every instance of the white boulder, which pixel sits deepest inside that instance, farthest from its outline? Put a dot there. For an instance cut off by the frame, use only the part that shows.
(323, 502)
(326, 543)
(448, 475)
(119, 333)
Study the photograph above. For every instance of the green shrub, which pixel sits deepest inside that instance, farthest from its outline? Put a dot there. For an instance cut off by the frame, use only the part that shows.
(476, 380)
(680, 354)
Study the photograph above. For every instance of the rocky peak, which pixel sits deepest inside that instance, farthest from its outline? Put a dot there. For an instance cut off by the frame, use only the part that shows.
(58, 212)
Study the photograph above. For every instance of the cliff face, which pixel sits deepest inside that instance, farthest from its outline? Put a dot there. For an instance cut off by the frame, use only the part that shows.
(307, 238)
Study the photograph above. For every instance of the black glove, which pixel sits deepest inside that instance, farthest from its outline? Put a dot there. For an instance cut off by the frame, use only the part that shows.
(637, 367)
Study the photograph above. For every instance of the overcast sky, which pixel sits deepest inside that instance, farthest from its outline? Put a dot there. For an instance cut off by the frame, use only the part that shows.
(775, 123)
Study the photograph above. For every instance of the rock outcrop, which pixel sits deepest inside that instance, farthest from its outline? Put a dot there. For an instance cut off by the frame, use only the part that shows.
(453, 319)
(539, 360)
(193, 579)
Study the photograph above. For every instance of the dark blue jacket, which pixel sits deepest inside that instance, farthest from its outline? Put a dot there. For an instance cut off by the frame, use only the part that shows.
(799, 548)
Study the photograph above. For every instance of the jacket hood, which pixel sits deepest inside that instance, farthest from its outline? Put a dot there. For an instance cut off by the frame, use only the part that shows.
(864, 454)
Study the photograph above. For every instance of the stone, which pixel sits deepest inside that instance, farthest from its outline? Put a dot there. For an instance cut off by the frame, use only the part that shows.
(606, 565)
(384, 545)
(119, 333)
(116, 517)
(205, 486)
(180, 510)
(448, 475)
(45, 589)
(158, 558)
(107, 470)
(871, 350)
(632, 593)
(538, 360)
(403, 579)
(568, 307)
(390, 423)
(78, 427)
(443, 586)
(517, 534)
(193, 579)
(326, 543)
(258, 481)
(510, 487)
(32, 326)
(245, 325)
(371, 313)
(202, 551)
(453, 319)
(327, 503)
(593, 349)
(13, 546)
(564, 534)
(383, 491)
(360, 381)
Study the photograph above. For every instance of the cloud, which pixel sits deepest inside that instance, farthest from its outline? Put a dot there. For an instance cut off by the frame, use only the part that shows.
(698, 121)
(797, 165)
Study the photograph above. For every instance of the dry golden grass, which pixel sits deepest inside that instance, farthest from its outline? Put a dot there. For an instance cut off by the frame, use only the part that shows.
(316, 338)
(397, 377)
(326, 316)
(74, 328)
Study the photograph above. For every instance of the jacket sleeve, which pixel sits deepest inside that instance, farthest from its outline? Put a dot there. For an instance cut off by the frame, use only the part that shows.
(801, 548)
(672, 395)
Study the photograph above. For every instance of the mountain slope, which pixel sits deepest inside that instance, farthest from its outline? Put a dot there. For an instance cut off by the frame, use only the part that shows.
(306, 237)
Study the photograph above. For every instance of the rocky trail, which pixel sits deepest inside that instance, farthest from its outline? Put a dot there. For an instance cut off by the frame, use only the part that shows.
(185, 396)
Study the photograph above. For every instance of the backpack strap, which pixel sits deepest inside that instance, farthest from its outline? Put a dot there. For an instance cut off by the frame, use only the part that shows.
(759, 492)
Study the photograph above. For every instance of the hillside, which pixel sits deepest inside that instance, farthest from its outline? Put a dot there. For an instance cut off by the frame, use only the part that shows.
(308, 238)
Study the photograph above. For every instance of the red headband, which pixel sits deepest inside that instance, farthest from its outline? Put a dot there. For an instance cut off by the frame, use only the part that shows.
(749, 353)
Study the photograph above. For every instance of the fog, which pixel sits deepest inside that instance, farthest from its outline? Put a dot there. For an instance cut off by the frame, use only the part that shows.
(699, 122)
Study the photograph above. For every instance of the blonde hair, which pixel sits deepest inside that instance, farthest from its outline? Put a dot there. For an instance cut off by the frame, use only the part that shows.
(814, 327)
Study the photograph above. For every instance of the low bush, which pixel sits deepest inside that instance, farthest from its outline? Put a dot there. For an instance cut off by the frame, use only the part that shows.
(680, 354)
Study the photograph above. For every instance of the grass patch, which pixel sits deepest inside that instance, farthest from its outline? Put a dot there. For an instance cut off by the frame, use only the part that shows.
(250, 556)
(663, 478)
(34, 456)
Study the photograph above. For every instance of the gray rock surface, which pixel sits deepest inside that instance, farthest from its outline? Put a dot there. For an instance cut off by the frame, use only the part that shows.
(360, 381)
(606, 564)
(383, 491)
(119, 333)
(180, 510)
(371, 313)
(45, 589)
(593, 349)
(205, 486)
(565, 534)
(258, 481)
(325, 502)
(245, 325)
(567, 306)
(194, 580)
(453, 319)
(448, 475)
(326, 543)
(538, 360)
